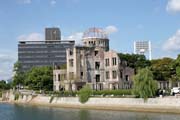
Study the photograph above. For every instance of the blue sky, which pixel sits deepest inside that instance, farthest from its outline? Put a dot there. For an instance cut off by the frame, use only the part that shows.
(124, 20)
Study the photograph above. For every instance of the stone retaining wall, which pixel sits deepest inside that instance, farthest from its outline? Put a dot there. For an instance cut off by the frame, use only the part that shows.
(166, 104)
(155, 102)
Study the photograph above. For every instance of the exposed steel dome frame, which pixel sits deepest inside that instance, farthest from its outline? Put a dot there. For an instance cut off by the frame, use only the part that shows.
(95, 33)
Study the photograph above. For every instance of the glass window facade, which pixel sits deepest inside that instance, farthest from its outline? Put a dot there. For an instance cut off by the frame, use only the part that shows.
(42, 53)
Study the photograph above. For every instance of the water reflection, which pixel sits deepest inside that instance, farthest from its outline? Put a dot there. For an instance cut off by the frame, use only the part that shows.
(84, 115)
(142, 117)
(19, 112)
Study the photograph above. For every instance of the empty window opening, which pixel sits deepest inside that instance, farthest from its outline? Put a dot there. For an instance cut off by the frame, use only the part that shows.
(107, 62)
(71, 63)
(97, 65)
(95, 53)
(97, 78)
(127, 77)
(114, 74)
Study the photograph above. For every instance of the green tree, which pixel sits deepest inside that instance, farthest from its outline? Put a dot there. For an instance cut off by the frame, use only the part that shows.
(4, 85)
(144, 85)
(40, 78)
(19, 76)
(177, 67)
(135, 61)
(177, 61)
(163, 69)
(84, 94)
(176, 71)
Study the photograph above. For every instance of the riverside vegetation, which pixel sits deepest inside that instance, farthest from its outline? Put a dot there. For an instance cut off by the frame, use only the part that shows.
(146, 73)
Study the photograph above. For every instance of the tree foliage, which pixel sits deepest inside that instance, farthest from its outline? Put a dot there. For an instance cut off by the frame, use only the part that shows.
(176, 66)
(84, 94)
(144, 85)
(63, 66)
(4, 85)
(40, 78)
(19, 76)
(163, 69)
(134, 60)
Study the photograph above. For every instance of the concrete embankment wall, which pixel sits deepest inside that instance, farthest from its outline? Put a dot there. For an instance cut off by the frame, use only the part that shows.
(171, 105)
(168, 104)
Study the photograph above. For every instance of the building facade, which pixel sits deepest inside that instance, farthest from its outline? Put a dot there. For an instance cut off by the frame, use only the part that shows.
(52, 34)
(44, 53)
(94, 37)
(93, 64)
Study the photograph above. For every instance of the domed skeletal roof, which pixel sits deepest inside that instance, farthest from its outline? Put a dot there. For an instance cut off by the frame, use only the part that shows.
(95, 33)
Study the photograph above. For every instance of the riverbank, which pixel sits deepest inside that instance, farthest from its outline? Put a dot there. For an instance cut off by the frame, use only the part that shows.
(162, 105)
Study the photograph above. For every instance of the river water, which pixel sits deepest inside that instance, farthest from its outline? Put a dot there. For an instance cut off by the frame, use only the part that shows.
(23, 112)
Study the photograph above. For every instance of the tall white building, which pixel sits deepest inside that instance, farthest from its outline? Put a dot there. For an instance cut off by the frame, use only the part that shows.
(143, 48)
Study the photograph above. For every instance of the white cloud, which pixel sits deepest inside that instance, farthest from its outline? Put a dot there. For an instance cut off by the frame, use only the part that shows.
(25, 1)
(76, 36)
(173, 43)
(7, 60)
(53, 2)
(173, 6)
(31, 37)
(111, 29)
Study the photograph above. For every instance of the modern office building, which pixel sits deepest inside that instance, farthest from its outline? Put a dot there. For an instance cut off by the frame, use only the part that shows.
(52, 34)
(43, 53)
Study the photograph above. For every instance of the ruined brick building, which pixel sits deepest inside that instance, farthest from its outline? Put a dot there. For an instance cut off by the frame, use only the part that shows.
(93, 64)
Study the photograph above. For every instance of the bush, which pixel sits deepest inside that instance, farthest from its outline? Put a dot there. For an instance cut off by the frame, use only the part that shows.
(113, 92)
(16, 96)
(0, 94)
(69, 93)
(50, 101)
(61, 93)
(84, 94)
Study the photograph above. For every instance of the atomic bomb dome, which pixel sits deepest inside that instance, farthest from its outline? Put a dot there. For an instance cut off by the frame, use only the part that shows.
(95, 33)
(96, 37)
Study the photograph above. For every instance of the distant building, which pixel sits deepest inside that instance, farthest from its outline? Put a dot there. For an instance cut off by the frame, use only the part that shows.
(93, 64)
(52, 34)
(143, 48)
(43, 53)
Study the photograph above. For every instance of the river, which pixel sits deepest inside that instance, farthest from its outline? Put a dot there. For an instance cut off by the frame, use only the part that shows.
(24, 112)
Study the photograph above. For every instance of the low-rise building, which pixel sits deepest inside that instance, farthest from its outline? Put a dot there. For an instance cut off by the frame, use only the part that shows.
(93, 64)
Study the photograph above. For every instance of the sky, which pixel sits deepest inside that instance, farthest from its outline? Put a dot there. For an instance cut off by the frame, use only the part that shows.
(125, 21)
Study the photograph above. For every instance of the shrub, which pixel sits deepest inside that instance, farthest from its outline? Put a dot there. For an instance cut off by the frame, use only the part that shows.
(0, 94)
(84, 94)
(51, 99)
(113, 92)
(37, 92)
(69, 93)
(16, 96)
